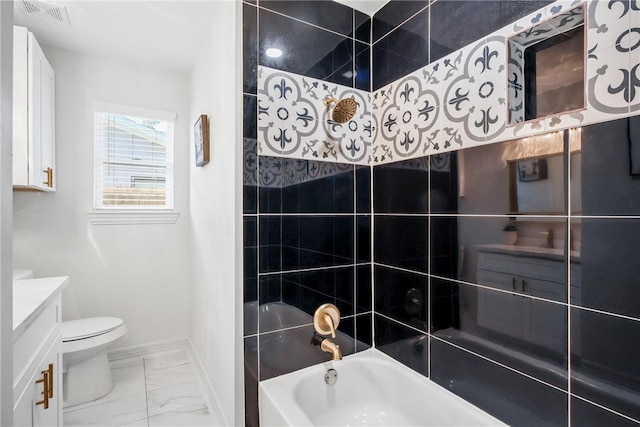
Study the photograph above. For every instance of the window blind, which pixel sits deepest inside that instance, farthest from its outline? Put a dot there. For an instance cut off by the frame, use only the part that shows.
(133, 162)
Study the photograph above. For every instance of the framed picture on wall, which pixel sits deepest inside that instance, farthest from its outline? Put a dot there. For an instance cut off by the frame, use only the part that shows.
(201, 140)
(532, 170)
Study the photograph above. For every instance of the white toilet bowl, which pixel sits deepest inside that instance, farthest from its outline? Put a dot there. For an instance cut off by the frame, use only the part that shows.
(86, 371)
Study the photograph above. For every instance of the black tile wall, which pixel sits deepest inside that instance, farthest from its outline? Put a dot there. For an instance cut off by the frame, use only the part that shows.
(457, 23)
(585, 414)
(394, 14)
(405, 241)
(363, 290)
(407, 345)
(321, 13)
(507, 395)
(402, 296)
(362, 23)
(363, 189)
(604, 355)
(308, 290)
(400, 188)
(403, 51)
(250, 48)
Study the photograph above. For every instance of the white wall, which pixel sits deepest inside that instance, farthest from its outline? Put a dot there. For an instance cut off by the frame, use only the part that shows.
(216, 214)
(6, 148)
(137, 272)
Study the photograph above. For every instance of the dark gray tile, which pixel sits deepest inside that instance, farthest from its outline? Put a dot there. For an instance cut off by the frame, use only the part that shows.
(393, 14)
(251, 382)
(323, 13)
(296, 344)
(363, 238)
(443, 182)
(584, 414)
(492, 184)
(526, 334)
(362, 24)
(605, 275)
(606, 185)
(401, 187)
(406, 345)
(363, 289)
(308, 290)
(457, 23)
(507, 395)
(250, 177)
(401, 52)
(604, 360)
(362, 66)
(475, 249)
(321, 59)
(249, 48)
(363, 189)
(249, 117)
(401, 241)
(317, 241)
(364, 337)
(270, 256)
(402, 296)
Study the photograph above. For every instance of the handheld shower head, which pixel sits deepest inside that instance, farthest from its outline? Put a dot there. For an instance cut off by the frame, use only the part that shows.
(344, 110)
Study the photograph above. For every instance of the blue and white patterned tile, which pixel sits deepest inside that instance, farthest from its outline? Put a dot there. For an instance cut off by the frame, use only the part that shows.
(608, 24)
(562, 121)
(634, 73)
(610, 84)
(294, 122)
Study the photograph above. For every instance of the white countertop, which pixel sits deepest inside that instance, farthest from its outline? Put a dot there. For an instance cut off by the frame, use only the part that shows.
(530, 251)
(30, 296)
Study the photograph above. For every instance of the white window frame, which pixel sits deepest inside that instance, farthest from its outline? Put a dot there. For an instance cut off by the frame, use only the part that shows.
(104, 215)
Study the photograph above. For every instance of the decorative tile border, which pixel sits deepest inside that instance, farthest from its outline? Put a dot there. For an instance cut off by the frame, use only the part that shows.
(278, 172)
(460, 101)
(293, 121)
(465, 99)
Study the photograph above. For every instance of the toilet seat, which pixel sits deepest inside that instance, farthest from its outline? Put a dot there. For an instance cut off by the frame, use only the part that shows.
(83, 334)
(90, 327)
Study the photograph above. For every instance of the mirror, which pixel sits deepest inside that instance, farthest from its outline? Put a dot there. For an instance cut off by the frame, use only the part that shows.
(546, 68)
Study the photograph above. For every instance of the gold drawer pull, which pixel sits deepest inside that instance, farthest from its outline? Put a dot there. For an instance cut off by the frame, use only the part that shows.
(49, 180)
(50, 372)
(45, 389)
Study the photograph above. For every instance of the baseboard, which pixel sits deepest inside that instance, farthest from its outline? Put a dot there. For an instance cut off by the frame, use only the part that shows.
(212, 396)
(146, 349)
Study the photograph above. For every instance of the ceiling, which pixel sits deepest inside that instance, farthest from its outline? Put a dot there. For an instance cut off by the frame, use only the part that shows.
(167, 34)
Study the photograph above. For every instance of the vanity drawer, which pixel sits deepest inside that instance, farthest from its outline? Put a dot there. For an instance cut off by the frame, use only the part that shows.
(535, 268)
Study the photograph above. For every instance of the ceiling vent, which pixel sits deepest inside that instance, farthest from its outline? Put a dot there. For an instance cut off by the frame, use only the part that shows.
(48, 10)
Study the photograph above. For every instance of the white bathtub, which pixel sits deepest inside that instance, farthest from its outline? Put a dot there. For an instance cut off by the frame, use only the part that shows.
(372, 389)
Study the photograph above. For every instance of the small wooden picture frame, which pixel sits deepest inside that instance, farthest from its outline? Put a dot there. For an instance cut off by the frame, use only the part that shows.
(201, 140)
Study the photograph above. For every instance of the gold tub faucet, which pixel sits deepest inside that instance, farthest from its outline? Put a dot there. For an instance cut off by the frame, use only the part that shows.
(325, 321)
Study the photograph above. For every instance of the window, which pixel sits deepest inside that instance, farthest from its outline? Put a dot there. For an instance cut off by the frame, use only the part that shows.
(133, 158)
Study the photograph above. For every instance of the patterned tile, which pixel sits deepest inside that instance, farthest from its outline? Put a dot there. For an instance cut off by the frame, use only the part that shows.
(294, 122)
(608, 22)
(610, 84)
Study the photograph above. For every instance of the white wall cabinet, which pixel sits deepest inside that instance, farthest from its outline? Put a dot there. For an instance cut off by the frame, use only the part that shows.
(33, 115)
(37, 358)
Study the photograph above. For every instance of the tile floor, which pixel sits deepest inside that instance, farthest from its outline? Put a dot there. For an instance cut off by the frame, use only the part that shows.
(161, 389)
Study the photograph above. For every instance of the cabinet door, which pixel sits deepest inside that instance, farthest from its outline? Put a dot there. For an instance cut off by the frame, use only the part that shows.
(41, 118)
(27, 411)
(499, 311)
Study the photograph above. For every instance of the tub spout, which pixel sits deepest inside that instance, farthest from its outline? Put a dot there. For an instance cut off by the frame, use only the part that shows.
(331, 347)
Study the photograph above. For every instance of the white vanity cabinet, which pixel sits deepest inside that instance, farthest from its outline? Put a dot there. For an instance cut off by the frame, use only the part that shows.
(33, 115)
(37, 352)
(533, 321)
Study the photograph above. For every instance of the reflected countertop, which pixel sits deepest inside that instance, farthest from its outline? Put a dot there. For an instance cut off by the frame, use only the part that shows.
(554, 254)
(30, 296)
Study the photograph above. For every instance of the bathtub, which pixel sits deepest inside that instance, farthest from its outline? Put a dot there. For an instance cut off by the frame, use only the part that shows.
(371, 389)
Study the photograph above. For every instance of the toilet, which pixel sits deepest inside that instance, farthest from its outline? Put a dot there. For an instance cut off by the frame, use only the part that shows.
(86, 371)
(85, 366)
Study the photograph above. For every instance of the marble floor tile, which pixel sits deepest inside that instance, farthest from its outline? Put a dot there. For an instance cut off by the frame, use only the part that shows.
(117, 412)
(161, 389)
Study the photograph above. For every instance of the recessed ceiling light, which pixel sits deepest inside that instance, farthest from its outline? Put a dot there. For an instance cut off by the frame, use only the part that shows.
(274, 52)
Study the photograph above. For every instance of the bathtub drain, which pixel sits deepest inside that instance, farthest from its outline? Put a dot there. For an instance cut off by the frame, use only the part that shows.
(331, 376)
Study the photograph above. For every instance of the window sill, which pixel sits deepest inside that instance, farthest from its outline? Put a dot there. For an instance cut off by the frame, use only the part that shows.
(108, 217)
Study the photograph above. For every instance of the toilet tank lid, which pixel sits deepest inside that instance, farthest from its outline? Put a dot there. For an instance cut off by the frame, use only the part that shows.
(89, 327)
